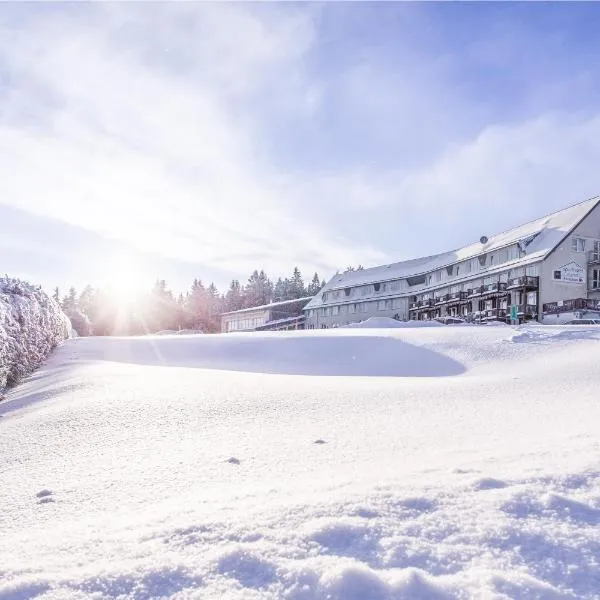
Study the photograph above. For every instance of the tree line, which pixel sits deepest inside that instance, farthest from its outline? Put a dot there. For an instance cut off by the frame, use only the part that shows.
(97, 311)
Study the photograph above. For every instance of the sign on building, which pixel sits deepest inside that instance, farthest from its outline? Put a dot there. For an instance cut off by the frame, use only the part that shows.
(571, 273)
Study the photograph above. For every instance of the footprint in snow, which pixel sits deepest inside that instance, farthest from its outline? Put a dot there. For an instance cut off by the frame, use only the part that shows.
(319, 441)
(233, 460)
(44, 496)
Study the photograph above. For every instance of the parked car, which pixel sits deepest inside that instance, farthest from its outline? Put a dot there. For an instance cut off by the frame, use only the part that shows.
(189, 332)
(583, 322)
(450, 320)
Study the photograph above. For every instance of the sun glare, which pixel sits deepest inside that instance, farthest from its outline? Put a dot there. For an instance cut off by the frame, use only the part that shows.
(125, 281)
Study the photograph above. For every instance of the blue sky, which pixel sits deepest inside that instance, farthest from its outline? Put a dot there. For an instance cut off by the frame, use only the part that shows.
(205, 140)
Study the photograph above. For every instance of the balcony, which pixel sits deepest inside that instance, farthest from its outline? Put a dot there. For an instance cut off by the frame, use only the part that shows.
(457, 296)
(527, 310)
(593, 257)
(474, 292)
(495, 314)
(427, 303)
(442, 299)
(552, 308)
(495, 288)
(527, 281)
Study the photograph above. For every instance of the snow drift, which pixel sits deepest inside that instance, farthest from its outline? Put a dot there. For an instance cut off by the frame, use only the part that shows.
(388, 323)
(31, 326)
(301, 353)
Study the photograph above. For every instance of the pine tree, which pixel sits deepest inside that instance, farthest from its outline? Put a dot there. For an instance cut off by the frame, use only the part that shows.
(314, 286)
(258, 290)
(56, 296)
(69, 302)
(234, 299)
(279, 291)
(198, 305)
(297, 289)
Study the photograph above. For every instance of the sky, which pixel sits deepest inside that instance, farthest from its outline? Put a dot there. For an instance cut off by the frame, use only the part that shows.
(183, 140)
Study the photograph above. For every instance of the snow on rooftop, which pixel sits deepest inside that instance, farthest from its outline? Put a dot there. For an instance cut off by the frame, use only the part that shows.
(539, 237)
(267, 306)
(132, 468)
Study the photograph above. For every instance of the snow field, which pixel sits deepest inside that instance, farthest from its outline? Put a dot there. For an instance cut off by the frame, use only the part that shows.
(470, 471)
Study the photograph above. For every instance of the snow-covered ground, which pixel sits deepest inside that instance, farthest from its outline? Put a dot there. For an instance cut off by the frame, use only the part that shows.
(371, 464)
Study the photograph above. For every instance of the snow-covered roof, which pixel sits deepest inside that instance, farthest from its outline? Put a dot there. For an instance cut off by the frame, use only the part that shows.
(267, 306)
(280, 322)
(536, 238)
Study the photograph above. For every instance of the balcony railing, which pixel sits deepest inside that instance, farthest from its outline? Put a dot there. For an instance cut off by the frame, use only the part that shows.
(476, 291)
(527, 309)
(442, 299)
(495, 313)
(571, 305)
(421, 304)
(527, 281)
(454, 296)
(498, 286)
(593, 257)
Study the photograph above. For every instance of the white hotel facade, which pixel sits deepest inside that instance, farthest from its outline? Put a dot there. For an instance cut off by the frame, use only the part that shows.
(547, 270)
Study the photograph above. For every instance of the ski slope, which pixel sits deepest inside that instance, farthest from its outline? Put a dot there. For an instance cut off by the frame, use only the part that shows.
(371, 464)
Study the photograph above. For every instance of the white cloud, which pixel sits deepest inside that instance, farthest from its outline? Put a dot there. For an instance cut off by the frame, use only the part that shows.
(142, 141)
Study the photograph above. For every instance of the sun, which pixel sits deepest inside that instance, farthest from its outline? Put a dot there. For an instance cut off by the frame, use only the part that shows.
(125, 281)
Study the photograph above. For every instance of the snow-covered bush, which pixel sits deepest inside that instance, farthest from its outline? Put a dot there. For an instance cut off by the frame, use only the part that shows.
(31, 326)
(80, 323)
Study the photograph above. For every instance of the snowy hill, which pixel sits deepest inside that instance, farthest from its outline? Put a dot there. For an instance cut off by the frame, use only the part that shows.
(371, 464)
(31, 326)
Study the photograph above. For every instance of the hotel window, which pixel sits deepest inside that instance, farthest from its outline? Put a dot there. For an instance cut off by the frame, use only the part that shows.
(344, 309)
(353, 308)
(513, 253)
(596, 279)
(395, 286)
(504, 256)
(532, 271)
(491, 259)
(457, 270)
(578, 244)
(336, 310)
(557, 274)
(438, 276)
(388, 305)
(428, 279)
